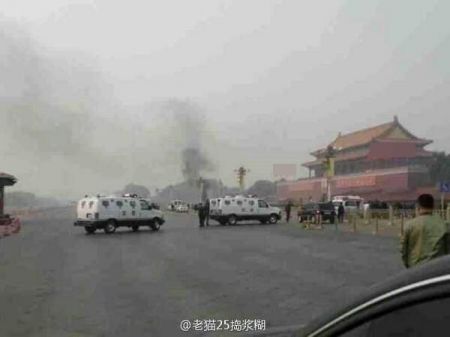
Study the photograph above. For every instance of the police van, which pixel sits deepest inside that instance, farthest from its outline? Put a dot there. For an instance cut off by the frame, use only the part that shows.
(230, 210)
(109, 213)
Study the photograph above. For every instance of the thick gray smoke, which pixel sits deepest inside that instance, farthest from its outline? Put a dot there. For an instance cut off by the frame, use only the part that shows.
(193, 164)
(190, 124)
(62, 131)
(50, 114)
(41, 99)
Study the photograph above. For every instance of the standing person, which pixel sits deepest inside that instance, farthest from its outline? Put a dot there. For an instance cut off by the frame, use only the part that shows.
(341, 213)
(207, 212)
(288, 209)
(425, 237)
(201, 215)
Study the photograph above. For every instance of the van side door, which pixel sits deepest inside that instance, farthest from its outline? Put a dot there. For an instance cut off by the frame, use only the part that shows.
(134, 209)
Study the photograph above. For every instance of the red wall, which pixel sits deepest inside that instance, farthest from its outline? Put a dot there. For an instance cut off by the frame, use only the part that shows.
(369, 183)
(357, 184)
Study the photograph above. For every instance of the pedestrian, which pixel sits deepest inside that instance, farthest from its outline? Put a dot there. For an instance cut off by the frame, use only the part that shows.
(341, 213)
(425, 237)
(288, 209)
(201, 215)
(207, 212)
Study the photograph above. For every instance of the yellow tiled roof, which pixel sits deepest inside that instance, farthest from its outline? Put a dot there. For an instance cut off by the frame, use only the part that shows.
(361, 137)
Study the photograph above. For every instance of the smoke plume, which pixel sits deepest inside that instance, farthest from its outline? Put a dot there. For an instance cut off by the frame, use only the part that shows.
(50, 113)
(62, 130)
(194, 163)
(190, 124)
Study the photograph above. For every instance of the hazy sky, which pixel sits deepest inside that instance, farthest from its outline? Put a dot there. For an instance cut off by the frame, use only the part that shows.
(87, 87)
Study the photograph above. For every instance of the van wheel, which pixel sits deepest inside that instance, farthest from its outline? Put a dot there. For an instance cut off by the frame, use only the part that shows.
(135, 228)
(232, 220)
(110, 227)
(273, 219)
(155, 225)
(90, 229)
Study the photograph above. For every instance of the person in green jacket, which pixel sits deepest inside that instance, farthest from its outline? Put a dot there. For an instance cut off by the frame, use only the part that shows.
(425, 237)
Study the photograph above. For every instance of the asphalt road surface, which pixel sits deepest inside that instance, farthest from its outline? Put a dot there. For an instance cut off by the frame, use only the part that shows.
(56, 281)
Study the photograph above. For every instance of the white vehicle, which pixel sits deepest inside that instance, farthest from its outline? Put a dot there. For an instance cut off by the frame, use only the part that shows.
(108, 213)
(182, 208)
(233, 209)
(173, 205)
(351, 203)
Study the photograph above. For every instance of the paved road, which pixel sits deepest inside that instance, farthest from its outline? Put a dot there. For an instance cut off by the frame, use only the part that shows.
(57, 281)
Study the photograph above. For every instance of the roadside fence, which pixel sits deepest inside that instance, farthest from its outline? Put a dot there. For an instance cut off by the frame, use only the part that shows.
(388, 222)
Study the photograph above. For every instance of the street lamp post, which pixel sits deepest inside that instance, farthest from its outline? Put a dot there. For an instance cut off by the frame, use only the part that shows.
(241, 173)
(329, 164)
(5, 180)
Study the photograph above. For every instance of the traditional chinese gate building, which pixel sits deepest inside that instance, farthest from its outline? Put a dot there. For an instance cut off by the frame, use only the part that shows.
(385, 162)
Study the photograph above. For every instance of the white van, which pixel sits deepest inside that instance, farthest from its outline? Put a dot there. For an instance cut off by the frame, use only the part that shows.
(351, 203)
(108, 213)
(233, 209)
(182, 208)
(174, 204)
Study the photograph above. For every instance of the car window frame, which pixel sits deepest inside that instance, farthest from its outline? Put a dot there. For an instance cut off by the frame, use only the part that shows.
(401, 297)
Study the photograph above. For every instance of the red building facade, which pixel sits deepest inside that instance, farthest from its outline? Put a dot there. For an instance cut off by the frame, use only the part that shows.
(386, 162)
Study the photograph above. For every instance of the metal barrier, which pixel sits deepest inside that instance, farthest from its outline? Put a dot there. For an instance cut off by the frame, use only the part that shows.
(385, 221)
(390, 222)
